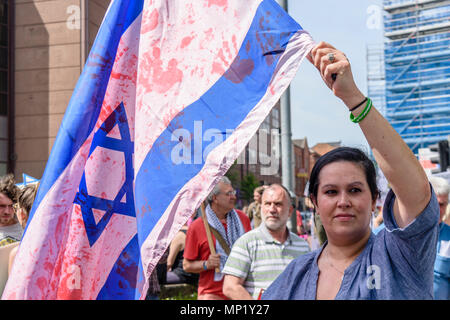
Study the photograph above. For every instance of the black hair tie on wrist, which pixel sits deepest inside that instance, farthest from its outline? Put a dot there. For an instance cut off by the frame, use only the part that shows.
(358, 105)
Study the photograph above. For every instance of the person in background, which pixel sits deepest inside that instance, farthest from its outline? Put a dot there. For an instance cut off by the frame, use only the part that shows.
(319, 231)
(442, 264)
(25, 203)
(23, 209)
(229, 224)
(378, 217)
(154, 286)
(317, 236)
(378, 223)
(313, 242)
(10, 229)
(260, 255)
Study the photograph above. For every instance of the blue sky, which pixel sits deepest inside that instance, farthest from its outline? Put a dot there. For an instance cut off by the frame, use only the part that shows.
(349, 25)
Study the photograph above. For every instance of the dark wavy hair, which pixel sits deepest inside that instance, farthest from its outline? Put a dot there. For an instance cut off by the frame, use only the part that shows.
(8, 187)
(345, 154)
(26, 197)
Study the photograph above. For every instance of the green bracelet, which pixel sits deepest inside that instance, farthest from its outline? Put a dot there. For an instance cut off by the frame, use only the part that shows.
(363, 114)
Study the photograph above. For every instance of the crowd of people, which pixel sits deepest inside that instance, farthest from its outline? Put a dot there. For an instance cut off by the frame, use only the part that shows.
(368, 249)
(353, 247)
(15, 206)
(253, 245)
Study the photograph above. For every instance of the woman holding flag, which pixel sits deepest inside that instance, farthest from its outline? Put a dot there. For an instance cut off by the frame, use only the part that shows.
(354, 263)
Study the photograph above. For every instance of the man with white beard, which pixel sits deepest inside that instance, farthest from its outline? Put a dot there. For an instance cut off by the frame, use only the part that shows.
(259, 256)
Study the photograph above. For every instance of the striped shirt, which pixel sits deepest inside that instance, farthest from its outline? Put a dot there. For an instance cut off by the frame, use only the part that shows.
(258, 258)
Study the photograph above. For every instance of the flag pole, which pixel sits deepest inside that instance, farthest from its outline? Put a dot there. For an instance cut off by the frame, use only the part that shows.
(208, 233)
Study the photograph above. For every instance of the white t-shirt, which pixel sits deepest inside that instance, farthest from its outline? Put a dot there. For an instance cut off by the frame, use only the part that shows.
(10, 234)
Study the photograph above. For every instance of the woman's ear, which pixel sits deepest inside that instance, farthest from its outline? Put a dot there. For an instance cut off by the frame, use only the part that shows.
(374, 205)
(314, 201)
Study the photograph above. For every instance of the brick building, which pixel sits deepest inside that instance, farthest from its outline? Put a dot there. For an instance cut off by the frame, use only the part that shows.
(44, 45)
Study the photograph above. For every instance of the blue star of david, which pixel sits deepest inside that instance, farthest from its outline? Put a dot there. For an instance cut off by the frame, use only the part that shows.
(88, 202)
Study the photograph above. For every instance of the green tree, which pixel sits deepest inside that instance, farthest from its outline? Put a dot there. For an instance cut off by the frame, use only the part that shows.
(248, 184)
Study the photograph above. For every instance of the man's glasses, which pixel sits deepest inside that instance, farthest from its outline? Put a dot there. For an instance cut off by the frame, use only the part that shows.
(230, 193)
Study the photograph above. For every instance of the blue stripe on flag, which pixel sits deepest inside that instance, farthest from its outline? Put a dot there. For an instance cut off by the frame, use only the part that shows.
(85, 104)
(121, 282)
(224, 106)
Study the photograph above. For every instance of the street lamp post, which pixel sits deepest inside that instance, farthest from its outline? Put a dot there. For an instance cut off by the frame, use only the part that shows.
(287, 164)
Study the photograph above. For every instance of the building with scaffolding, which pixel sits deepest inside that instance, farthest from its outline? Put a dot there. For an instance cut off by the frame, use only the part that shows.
(376, 77)
(416, 73)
